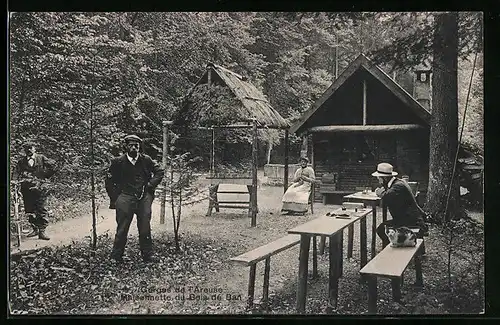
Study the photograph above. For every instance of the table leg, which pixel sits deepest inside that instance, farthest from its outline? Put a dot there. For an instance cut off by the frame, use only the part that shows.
(363, 242)
(374, 229)
(341, 254)
(350, 240)
(305, 241)
(322, 241)
(315, 258)
(372, 294)
(333, 283)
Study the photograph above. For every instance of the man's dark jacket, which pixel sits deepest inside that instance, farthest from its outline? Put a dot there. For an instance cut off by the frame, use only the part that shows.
(115, 180)
(42, 168)
(402, 204)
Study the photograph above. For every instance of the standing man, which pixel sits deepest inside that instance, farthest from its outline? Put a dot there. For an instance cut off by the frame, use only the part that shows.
(398, 197)
(130, 184)
(32, 170)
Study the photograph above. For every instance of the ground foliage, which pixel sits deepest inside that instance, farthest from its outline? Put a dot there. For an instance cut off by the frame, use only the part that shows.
(70, 280)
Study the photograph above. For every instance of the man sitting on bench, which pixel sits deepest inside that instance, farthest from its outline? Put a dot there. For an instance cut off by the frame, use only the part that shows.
(400, 201)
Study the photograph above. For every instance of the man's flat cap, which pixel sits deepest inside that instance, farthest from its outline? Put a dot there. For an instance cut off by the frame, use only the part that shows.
(133, 137)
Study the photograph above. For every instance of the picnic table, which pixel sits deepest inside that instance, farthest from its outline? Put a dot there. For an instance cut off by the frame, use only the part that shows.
(331, 226)
(372, 199)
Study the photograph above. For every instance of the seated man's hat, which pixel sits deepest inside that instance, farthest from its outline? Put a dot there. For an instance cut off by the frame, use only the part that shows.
(384, 169)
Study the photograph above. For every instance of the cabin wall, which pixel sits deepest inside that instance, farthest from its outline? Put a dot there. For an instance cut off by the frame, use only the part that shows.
(354, 157)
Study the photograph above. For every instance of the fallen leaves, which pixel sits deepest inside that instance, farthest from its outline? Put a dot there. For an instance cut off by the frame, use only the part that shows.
(70, 279)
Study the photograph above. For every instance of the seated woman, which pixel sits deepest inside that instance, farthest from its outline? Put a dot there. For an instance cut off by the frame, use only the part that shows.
(296, 197)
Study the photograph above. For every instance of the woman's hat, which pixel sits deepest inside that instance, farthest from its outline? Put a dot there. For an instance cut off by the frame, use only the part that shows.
(132, 137)
(384, 169)
(304, 159)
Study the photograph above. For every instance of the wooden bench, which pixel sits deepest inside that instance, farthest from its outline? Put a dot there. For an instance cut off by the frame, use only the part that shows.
(264, 252)
(391, 263)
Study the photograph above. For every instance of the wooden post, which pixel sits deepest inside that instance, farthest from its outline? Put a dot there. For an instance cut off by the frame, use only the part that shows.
(350, 240)
(285, 180)
(364, 101)
(313, 185)
(322, 243)
(165, 149)
(251, 285)
(265, 288)
(315, 258)
(374, 229)
(209, 75)
(396, 289)
(305, 241)
(362, 242)
(418, 268)
(333, 283)
(254, 174)
(212, 154)
(372, 294)
(340, 263)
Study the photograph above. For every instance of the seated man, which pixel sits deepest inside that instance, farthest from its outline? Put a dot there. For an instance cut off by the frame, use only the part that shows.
(400, 201)
(296, 197)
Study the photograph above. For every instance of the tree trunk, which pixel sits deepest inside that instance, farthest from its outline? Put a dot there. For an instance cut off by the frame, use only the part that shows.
(444, 122)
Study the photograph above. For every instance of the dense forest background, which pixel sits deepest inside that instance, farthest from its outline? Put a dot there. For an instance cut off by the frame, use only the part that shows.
(125, 72)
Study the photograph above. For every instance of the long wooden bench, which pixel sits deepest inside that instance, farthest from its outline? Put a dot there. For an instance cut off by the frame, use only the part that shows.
(261, 253)
(391, 263)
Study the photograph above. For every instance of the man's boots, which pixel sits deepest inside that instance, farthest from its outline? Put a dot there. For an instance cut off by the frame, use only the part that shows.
(42, 235)
(33, 232)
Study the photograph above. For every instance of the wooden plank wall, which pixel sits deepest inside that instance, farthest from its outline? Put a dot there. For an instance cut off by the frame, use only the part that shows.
(404, 151)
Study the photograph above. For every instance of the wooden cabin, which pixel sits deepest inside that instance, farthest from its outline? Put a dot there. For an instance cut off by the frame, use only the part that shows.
(365, 117)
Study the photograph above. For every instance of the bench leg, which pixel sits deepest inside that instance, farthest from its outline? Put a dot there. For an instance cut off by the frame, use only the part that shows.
(419, 281)
(322, 242)
(396, 289)
(265, 288)
(305, 241)
(315, 258)
(251, 285)
(216, 201)
(350, 240)
(212, 195)
(372, 294)
(333, 283)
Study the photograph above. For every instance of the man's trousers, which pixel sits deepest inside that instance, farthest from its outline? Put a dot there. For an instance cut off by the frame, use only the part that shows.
(34, 204)
(126, 206)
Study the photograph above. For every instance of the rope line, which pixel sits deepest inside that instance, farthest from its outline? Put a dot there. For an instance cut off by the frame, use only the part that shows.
(460, 138)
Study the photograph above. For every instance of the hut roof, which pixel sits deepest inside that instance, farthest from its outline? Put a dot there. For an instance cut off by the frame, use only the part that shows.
(254, 103)
(362, 62)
